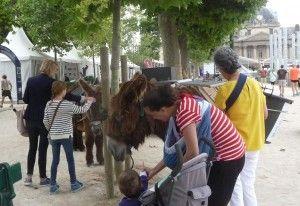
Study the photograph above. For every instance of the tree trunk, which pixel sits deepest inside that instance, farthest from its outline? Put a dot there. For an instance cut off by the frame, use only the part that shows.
(124, 68)
(115, 62)
(94, 66)
(55, 54)
(231, 41)
(182, 40)
(125, 78)
(105, 79)
(168, 32)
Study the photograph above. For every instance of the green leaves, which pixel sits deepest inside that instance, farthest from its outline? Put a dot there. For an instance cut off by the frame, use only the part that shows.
(140, 35)
(48, 25)
(210, 24)
(7, 18)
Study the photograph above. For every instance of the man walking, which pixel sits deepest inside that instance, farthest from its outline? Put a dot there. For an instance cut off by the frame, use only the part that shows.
(6, 87)
(281, 73)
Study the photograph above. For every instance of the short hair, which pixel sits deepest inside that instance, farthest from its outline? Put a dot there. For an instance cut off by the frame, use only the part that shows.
(162, 96)
(57, 88)
(281, 66)
(298, 66)
(49, 67)
(227, 60)
(130, 183)
(4, 76)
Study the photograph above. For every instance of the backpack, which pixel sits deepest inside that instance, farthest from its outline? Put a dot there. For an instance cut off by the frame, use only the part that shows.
(21, 123)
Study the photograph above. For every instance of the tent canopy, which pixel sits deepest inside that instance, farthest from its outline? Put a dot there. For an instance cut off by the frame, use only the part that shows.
(19, 43)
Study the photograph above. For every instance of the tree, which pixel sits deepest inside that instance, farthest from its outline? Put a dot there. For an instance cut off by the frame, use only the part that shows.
(211, 23)
(48, 25)
(140, 35)
(91, 29)
(7, 17)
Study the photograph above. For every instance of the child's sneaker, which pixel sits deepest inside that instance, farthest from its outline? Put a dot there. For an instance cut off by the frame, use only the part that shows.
(28, 181)
(45, 181)
(77, 186)
(54, 189)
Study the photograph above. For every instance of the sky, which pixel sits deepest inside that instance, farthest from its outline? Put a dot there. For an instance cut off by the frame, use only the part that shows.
(288, 11)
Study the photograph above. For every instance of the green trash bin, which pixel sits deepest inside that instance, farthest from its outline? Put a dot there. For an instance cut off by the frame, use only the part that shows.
(8, 176)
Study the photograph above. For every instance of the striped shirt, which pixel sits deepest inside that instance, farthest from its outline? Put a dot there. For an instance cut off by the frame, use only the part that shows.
(62, 127)
(228, 142)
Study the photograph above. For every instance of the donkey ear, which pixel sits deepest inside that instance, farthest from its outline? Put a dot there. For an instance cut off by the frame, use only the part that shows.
(86, 87)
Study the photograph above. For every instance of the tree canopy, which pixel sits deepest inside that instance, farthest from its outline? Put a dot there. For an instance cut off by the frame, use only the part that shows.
(7, 18)
(48, 25)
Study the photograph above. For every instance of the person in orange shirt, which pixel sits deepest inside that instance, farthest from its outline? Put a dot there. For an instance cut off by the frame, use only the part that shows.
(294, 73)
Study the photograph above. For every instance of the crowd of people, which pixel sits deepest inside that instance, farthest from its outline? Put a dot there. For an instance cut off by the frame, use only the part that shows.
(283, 77)
(237, 130)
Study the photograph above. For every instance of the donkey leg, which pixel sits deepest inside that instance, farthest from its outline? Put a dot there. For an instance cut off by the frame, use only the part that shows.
(99, 148)
(89, 143)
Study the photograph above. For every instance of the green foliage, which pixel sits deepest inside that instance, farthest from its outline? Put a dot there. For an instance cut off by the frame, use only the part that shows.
(210, 24)
(91, 28)
(7, 17)
(140, 35)
(148, 49)
(47, 23)
(155, 6)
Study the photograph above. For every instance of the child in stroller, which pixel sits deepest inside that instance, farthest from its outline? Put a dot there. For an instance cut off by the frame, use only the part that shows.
(187, 183)
(131, 184)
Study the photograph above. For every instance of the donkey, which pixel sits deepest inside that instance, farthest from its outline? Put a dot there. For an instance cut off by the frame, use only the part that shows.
(91, 124)
(128, 123)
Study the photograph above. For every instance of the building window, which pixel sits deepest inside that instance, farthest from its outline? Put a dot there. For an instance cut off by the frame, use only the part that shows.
(250, 52)
(260, 54)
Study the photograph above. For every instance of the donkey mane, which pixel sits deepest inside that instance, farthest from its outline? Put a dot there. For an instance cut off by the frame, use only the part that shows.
(127, 122)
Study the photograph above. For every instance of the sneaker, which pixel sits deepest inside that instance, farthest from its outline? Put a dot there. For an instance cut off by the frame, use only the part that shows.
(28, 181)
(54, 189)
(45, 181)
(77, 186)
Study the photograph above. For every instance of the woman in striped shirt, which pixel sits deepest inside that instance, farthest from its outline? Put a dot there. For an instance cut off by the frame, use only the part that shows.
(191, 112)
(60, 127)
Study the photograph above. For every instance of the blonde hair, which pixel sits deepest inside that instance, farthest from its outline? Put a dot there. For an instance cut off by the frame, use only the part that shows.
(49, 67)
(57, 88)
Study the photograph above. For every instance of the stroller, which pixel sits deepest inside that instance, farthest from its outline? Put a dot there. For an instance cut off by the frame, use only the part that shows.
(187, 183)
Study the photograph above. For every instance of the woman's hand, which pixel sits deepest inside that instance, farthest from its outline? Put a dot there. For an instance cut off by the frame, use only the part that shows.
(152, 172)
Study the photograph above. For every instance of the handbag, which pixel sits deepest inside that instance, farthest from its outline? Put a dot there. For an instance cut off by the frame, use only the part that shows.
(21, 122)
(53, 117)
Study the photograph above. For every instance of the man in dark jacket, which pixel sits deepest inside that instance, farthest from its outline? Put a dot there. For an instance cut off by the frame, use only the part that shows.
(36, 96)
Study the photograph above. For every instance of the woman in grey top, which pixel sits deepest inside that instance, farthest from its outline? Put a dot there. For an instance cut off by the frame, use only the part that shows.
(6, 87)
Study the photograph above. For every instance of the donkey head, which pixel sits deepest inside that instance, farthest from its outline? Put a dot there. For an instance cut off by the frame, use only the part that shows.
(128, 122)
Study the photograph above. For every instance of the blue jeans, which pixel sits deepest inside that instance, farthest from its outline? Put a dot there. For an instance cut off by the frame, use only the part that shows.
(68, 147)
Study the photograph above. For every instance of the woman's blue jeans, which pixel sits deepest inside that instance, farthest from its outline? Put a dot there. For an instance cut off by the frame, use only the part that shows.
(68, 147)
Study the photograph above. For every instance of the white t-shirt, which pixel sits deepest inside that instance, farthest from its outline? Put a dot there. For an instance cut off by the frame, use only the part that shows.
(5, 84)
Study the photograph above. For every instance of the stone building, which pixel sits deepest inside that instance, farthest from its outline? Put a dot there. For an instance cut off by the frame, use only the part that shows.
(253, 40)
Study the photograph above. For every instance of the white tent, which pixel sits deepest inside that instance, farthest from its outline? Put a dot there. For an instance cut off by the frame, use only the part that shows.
(72, 62)
(30, 59)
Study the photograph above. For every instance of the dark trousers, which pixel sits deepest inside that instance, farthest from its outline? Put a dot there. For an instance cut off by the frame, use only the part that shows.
(37, 140)
(222, 179)
(68, 147)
